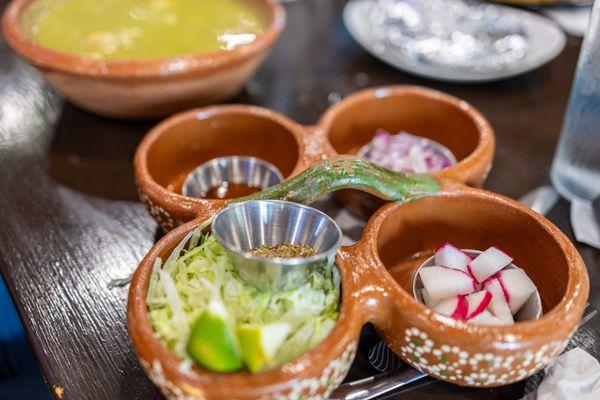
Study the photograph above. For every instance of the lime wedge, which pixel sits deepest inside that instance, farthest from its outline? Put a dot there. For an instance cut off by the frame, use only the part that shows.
(213, 343)
(259, 343)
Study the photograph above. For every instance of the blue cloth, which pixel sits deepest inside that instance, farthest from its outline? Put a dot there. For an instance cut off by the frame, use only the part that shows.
(20, 377)
(15, 354)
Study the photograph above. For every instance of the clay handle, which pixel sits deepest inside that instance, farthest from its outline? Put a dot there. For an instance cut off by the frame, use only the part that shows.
(366, 282)
(347, 172)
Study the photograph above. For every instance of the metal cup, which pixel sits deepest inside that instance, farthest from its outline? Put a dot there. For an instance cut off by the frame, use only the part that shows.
(252, 224)
(251, 171)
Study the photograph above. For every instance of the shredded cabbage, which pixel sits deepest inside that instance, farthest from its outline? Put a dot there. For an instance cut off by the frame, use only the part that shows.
(181, 291)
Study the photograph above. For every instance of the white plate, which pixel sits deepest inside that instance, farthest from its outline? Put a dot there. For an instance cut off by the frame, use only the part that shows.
(546, 41)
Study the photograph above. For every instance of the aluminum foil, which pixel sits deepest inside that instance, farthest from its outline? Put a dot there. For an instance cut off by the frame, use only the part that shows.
(454, 33)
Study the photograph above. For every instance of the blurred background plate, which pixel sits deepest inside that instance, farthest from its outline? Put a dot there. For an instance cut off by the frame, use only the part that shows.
(547, 2)
(546, 41)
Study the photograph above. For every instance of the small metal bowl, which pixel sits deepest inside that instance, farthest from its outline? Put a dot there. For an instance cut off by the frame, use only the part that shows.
(251, 224)
(251, 171)
(531, 310)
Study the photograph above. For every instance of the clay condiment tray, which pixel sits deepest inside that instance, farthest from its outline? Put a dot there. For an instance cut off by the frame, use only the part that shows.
(376, 276)
(144, 88)
(180, 143)
(376, 272)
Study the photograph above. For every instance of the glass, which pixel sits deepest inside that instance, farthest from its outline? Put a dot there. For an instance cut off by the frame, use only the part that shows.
(576, 167)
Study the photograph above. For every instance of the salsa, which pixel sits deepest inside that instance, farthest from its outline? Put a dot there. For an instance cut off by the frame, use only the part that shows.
(228, 190)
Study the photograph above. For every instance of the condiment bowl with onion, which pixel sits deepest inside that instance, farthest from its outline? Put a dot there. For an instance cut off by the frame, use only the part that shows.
(144, 87)
(377, 280)
(434, 125)
(447, 128)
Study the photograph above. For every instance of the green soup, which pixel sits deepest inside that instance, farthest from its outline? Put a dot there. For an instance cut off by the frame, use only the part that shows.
(143, 29)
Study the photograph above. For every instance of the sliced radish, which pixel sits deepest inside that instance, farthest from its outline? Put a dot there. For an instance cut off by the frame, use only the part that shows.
(485, 318)
(478, 303)
(518, 286)
(498, 305)
(442, 282)
(427, 298)
(455, 307)
(451, 256)
(488, 263)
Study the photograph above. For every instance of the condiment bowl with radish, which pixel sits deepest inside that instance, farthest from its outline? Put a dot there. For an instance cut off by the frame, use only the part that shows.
(490, 316)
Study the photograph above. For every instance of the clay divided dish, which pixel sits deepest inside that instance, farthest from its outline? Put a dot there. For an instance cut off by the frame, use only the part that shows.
(377, 272)
(376, 275)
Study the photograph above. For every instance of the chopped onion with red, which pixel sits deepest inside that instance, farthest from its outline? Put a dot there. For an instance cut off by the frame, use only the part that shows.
(408, 153)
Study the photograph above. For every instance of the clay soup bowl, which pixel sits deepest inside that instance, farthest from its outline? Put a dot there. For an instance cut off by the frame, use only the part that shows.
(180, 143)
(144, 88)
(377, 274)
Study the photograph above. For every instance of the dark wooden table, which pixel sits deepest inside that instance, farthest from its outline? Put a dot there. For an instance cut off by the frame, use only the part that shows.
(71, 220)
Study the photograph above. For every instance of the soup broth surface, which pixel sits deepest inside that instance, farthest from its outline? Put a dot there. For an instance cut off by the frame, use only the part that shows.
(143, 29)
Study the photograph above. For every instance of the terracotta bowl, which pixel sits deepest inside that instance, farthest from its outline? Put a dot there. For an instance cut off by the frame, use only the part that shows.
(179, 144)
(173, 148)
(376, 275)
(313, 374)
(352, 123)
(398, 238)
(146, 88)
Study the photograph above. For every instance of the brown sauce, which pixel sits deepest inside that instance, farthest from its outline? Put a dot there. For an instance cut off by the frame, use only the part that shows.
(230, 191)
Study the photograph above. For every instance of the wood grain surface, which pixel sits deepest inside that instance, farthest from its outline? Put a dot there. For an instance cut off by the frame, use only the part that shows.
(71, 221)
